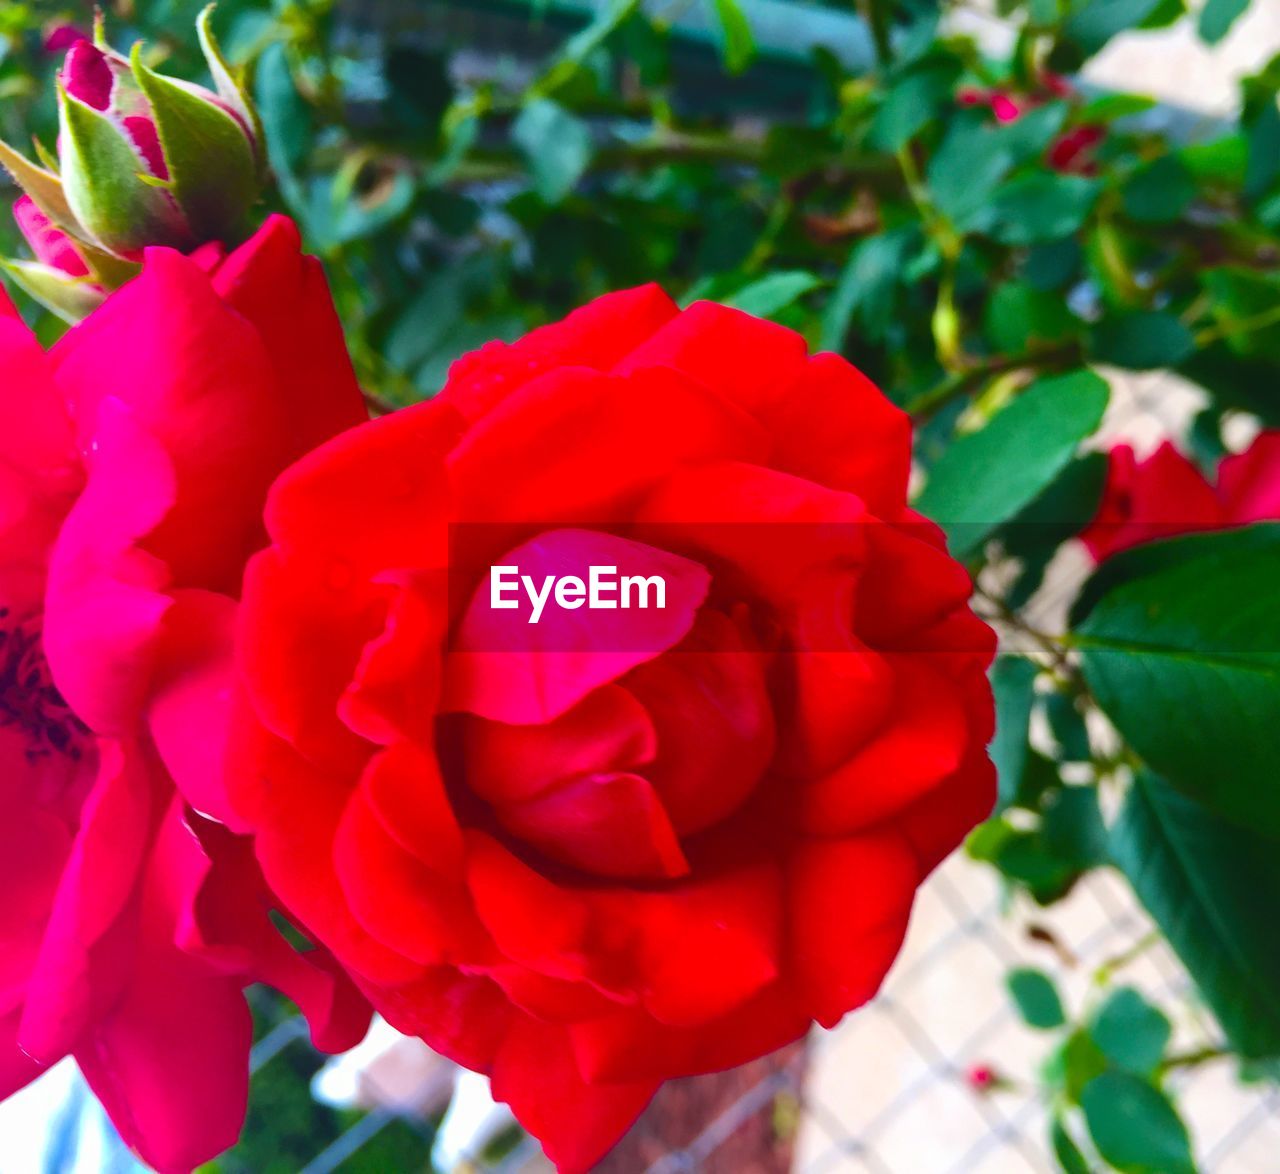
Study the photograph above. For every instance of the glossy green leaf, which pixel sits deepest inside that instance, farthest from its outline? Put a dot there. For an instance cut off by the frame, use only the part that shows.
(1135, 1126)
(557, 146)
(1093, 23)
(987, 477)
(737, 45)
(1013, 684)
(1065, 1149)
(1212, 888)
(1039, 208)
(1142, 340)
(1182, 652)
(1217, 17)
(1158, 192)
(1036, 998)
(1131, 1033)
(766, 297)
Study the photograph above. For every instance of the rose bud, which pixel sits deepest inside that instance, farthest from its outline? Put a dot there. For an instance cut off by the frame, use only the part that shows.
(142, 160)
(59, 277)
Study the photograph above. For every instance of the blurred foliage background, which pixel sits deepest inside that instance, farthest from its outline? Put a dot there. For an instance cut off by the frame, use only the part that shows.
(976, 233)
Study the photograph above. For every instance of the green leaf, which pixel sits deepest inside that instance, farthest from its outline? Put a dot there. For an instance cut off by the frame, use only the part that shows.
(1211, 888)
(1039, 208)
(1109, 107)
(1142, 340)
(1065, 1149)
(865, 289)
(1135, 1126)
(1264, 150)
(1095, 22)
(766, 297)
(213, 172)
(1073, 1064)
(910, 103)
(1182, 652)
(1012, 682)
(1036, 997)
(1131, 1033)
(1060, 512)
(737, 45)
(1159, 192)
(1073, 828)
(985, 478)
(286, 117)
(1019, 316)
(964, 172)
(557, 146)
(609, 18)
(1217, 17)
(1236, 382)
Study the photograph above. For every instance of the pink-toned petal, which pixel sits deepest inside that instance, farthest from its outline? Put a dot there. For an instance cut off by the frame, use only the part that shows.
(197, 378)
(50, 244)
(17, 1069)
(1249, 482)
(284, 296)
(87, 956)
(170, 1060)
(107, 597)
(225, 921)
(191, 705)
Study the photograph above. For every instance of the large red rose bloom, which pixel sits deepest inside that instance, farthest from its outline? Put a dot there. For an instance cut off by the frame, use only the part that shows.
(610, 848)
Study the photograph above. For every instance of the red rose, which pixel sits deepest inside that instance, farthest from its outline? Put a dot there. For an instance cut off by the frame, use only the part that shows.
(591, 853)
(1166, 494)
(134, 459)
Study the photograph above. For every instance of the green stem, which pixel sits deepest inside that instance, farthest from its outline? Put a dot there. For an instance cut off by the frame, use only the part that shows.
(1212, 334)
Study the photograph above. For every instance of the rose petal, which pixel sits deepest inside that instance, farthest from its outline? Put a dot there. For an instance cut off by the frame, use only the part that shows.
(837, 428)
(748, 361)
(284, 295)
(848, 905)
(598, 335)
(535, 1073)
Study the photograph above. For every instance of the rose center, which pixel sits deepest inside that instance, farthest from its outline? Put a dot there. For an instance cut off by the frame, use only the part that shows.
(29, 700)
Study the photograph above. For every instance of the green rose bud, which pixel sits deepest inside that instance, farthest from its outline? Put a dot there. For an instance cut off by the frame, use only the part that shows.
(143, 159)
